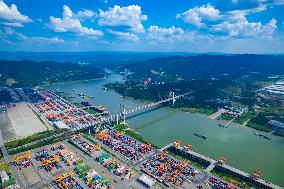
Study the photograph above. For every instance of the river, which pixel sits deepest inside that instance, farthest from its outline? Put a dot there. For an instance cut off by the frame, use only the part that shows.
(237, 143)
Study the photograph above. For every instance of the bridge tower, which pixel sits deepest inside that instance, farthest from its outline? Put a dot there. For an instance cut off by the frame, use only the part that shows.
(173, 97)
(117, 119)
(105, 72)
(121, 114)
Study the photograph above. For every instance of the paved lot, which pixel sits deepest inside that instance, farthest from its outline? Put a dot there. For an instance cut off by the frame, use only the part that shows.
(24, 121)
(30, 175)
(7, 129)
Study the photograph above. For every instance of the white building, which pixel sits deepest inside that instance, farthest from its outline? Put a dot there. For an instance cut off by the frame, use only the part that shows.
(4, 176)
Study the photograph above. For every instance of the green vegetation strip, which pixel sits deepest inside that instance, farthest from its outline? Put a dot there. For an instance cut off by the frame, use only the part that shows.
(29, 139)
(132, 133)
(244, 117)
(198, 110)
(4, 166)
(37, 145)
(226, 117)
(124, 128)
(91, 111)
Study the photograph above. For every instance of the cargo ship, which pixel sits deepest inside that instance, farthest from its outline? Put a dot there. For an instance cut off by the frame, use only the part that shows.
(86, 103)
(101, 109)
(82, 94)
(105, 88)
(201, 136)
(261, 135)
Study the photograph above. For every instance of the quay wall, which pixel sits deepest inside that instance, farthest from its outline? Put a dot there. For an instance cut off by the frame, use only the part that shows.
(206, 161)
(243, 176)
(189, 156)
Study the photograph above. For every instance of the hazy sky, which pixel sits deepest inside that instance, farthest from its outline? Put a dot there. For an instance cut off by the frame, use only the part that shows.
(233, 26)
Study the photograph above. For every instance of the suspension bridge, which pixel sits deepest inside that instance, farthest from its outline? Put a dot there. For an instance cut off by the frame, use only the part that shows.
(121, 117)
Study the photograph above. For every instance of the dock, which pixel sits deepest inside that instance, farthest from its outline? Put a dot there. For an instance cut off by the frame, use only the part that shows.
(212, 164)
(217, 114)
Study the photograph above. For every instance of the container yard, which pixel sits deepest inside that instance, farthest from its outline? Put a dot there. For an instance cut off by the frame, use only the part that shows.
(23, 160)
(53, 159)
(84, 164)
(115, 167)
(48, 161)
(105, 160)
(91, 177)
(61, 114)
(24, 163)
(167, 170)
(176, 173)
(133, 150)
(63, 165)
(86, 146)
(68, 157)
(67, 181)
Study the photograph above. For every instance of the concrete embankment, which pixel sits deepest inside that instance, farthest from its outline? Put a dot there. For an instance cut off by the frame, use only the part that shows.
(212, 164)
(217, 114)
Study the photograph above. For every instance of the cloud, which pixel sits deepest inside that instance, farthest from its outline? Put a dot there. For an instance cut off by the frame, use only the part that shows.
(124, 35)
(232, 23)
(262, 2)
(12, 24)
(249, 6)
(165, 34)
(197, 15)
(243, 28)
(130, 17)
(70, 23)
(85, 14)
(178, 35)
(9, 32)
(12, 16)
(53, 40)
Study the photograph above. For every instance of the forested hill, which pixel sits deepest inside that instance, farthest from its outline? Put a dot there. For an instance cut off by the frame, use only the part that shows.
(206, 66)
(29, 73)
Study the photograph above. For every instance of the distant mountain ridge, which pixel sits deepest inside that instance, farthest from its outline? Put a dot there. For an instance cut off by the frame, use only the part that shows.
(29, 73)
(98, 59)
(206, 66)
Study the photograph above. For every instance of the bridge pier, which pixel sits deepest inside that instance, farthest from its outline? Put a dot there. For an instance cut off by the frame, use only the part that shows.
(117, 119)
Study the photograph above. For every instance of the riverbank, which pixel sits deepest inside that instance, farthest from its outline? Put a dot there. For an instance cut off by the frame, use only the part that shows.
(197, 110)
(42, 86)
(245, 119)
